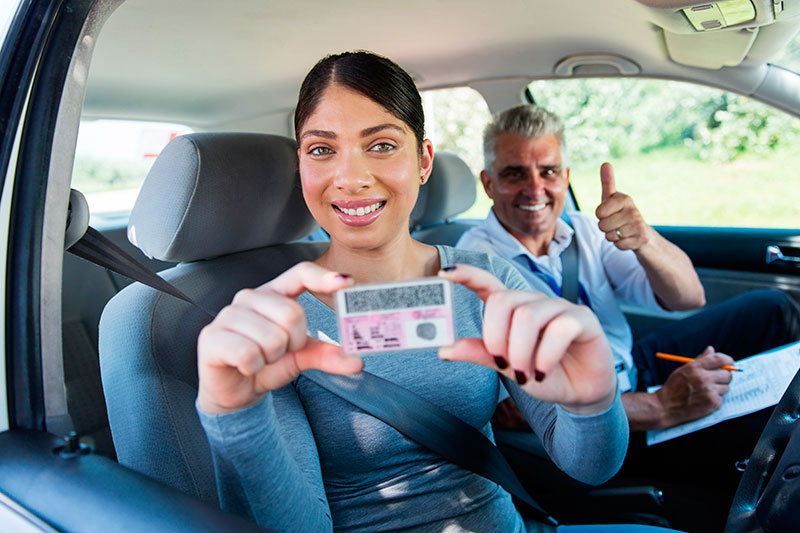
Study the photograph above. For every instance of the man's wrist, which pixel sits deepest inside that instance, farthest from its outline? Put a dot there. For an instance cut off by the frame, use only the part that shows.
(645, 411)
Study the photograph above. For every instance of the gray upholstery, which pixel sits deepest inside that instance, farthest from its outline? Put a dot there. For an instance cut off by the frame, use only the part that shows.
(449, 192)
(211, 194)
(148, 339)
(86, 289)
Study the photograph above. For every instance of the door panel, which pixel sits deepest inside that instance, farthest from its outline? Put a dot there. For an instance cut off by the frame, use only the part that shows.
(83, 491)
(729, 261)
(733, 260)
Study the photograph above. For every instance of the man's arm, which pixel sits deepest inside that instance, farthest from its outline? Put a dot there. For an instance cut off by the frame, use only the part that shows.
(669, 270)
(692, 391)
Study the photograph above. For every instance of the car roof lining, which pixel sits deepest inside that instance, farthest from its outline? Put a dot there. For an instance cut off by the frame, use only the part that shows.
(217, 70)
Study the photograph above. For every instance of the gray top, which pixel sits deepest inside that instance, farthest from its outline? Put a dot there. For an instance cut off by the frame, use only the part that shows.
(304, 460)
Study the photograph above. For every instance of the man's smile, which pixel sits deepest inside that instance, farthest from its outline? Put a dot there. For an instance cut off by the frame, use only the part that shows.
(538, 206)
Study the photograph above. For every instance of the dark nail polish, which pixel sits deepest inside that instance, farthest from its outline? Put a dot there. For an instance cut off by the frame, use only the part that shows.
(538, 376)
(449, 268)
(500, 361)
(343, 276)
(521, 379)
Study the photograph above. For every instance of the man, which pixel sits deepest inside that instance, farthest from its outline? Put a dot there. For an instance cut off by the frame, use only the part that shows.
(623, 259)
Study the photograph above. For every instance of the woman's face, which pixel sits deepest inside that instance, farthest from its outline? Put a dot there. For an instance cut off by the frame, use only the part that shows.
(360, 169)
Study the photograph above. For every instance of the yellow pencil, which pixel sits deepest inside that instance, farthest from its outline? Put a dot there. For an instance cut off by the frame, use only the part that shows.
(682, 359)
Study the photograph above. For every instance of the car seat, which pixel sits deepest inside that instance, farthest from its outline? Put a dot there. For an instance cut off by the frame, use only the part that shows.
(449, 191)
(221, 205)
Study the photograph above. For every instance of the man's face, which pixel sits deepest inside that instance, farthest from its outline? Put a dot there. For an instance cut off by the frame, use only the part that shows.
(527, 184)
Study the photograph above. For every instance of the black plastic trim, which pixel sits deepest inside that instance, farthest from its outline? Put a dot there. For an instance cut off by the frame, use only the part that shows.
(738, 249)
(89, 492)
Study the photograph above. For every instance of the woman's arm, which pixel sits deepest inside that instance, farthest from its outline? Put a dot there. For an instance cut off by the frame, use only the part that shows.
(589, 448)
(264, 453)
(558, 367)
(266, 464)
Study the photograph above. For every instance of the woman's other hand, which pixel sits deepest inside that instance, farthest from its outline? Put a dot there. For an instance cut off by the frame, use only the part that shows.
(554, 349)
(259, 343)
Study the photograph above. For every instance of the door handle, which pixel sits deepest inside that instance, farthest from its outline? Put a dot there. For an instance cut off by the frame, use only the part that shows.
(774, 253)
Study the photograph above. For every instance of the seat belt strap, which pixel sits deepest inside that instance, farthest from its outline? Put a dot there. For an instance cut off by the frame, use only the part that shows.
(570, 269)
(410, 414)
(100, 250)
(429, 425)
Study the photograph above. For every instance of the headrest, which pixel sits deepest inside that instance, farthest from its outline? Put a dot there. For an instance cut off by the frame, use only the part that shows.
(212, 194)
(450, 190)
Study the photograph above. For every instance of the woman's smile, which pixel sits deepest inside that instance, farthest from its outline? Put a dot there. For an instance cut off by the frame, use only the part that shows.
(358, 212)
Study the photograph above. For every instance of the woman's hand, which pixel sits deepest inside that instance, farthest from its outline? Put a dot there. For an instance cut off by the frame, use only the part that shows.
(258, 343)
(529, 335)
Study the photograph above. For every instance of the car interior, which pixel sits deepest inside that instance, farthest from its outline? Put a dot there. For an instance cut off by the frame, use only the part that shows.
(92, 354)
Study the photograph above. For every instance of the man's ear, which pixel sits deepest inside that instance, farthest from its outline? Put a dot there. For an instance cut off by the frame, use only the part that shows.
(486, 180)
(566, 175)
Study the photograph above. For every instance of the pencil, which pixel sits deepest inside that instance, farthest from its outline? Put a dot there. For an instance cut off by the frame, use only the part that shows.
(682, 359)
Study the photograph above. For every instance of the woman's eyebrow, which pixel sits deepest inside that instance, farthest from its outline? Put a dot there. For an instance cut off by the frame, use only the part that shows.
(318, 133)
(375, 129)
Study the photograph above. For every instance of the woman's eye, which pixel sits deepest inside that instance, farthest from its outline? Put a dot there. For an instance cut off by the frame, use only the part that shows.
(320, 150)
(382, 147)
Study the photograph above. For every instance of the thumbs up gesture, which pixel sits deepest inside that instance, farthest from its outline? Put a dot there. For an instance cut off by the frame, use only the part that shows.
(618, 216)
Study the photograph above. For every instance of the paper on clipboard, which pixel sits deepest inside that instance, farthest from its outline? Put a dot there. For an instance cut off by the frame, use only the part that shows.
(762, 382)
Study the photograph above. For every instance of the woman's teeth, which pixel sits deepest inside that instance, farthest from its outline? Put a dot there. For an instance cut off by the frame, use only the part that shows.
(361, 211)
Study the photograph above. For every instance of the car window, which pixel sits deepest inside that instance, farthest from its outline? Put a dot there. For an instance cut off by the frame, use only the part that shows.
(790, 59)
(688, 155)
(454, 122)
(112, 158)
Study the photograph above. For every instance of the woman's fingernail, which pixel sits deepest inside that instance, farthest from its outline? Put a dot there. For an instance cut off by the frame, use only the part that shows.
(344, 276)
(520, 376)
(449, 268)
(538, 375)
(500, 361)
(445, 352)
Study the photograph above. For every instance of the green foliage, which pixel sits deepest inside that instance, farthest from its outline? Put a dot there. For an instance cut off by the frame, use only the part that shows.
(671, 188)
(454, 120)
(93, 175)
(613, 118)
(687, 154)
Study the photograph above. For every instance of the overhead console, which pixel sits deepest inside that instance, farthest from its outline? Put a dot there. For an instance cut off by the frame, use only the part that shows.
(728, 33)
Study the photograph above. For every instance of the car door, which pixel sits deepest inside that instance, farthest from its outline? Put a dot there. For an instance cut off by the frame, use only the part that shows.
(48, 479)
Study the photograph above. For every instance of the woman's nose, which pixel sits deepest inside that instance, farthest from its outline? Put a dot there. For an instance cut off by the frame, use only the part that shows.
(353, 174)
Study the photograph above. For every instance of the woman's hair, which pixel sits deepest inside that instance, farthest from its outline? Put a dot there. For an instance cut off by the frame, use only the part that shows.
(376, 77)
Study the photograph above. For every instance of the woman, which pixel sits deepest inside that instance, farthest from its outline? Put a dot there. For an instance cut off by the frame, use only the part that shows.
(293, 456)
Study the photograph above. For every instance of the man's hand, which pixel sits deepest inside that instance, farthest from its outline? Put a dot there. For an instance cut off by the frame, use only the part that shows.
(618, 216)
(692, 391)
(669, 270)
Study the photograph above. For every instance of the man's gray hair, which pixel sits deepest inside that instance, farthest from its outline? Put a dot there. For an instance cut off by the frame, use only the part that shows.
(529, 121)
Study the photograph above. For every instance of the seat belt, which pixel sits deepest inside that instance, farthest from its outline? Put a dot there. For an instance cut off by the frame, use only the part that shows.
(569, 268)
(410, 414)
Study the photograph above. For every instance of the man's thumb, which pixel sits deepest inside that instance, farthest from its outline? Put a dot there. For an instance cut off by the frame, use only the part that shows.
(607, 181)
